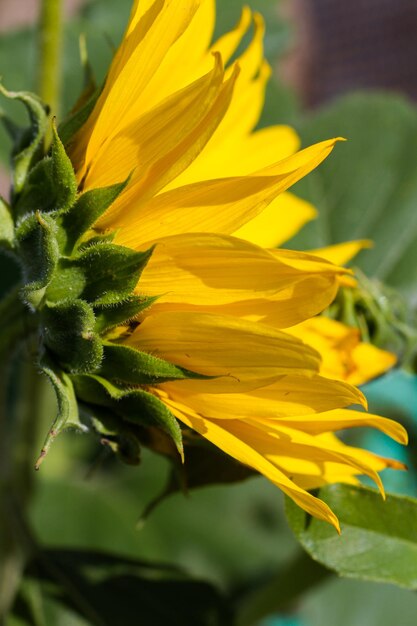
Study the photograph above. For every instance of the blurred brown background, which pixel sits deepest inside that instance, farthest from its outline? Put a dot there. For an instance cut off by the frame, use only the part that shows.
(344, 45)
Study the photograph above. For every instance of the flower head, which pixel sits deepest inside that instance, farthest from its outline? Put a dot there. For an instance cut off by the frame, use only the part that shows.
(204, 200)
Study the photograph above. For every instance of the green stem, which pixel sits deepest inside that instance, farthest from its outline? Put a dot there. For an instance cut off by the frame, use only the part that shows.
(19, 402)
(50, 52)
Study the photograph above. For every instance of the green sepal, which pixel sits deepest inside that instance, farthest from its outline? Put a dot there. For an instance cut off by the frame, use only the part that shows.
(133, 405)
(38, 191)
(143, 408)
(7, 234)
(67, 414)
(39, 254)
(68, 283)
(51, 184)
(68, 331)
(122, 312)
(96, 240)
(86, 211)
(25, 152)
(112, 272)
(77, 118)
(63, 175)
(103, 275)
(131, 366)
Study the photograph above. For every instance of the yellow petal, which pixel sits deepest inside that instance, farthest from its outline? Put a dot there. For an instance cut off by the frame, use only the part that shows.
(338, 419)
(228, 43)
(180, 68)
(369, 362)
(123, 98)
(274, 441)
(243, 355)
(220, 206)
(286, 399)
(342, 253)
(224, 274)
(280, 221)
(246, 452)
(344, 356)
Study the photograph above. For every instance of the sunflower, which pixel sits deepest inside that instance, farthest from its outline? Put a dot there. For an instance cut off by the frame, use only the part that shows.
(208, 195)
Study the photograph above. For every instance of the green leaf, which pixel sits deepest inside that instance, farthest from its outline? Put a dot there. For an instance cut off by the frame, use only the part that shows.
(39, 254)
(6, 226)
(122, 312)
(367, 188)
(67, 414)
(134, 593)
(86, 211)
(111, 271)
(378, 540)
(122, 363)
(25, 153)
(68, 331)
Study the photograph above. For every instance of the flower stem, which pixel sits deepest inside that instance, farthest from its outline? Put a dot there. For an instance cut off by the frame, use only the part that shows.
(19, 418)
(50, 52)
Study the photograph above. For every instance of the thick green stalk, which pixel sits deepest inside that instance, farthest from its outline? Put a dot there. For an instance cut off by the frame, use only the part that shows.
(50, 52)
(19, 394)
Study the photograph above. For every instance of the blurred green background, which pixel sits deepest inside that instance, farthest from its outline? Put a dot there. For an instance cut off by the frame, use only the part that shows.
(236, 537)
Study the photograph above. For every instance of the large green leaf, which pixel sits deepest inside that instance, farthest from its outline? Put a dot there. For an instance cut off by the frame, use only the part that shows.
(378, 540)
(134, 593)
(367, 188)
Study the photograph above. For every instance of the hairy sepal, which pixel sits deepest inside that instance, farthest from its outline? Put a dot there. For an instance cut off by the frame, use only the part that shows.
(108, 317)
(51, 185)
(131, 366)
(38, 251)
(86, 211)
(68, 332)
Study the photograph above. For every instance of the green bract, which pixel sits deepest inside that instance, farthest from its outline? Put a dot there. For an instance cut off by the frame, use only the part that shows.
(78, 287)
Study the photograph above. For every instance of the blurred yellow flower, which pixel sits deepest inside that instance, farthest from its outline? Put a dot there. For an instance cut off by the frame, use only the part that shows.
(178, 117)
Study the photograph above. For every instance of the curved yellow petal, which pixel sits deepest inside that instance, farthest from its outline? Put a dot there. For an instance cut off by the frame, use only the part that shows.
(344, 356)
(338, 419)
(225, 274)
(272, 439)
(278, 222)
(342, 253)
(369, 362)
(124, 95)
(220, 206)
(233, 443)
(286, 399)
(161, 155)
(227, 44)
(242, 354)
